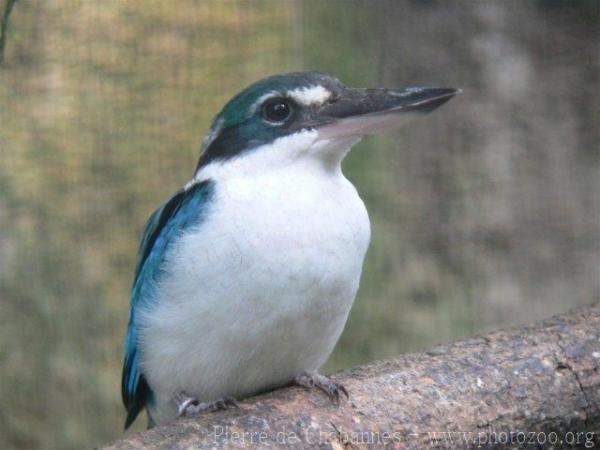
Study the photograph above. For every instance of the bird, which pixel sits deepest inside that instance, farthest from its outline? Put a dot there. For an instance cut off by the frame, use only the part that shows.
(245, 277)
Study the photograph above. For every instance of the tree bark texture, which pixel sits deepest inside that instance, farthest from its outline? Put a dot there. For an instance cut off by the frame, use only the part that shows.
(529, 387)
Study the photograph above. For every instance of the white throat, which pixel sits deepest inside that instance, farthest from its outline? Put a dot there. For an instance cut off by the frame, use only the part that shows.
(297, 152)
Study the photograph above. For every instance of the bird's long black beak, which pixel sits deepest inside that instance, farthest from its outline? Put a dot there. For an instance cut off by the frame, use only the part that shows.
(357, 112)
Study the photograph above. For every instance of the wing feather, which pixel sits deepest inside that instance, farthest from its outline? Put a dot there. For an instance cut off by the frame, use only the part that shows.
(186, 208)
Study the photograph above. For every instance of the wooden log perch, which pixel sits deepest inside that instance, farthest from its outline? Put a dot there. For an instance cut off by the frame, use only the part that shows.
(526, 387)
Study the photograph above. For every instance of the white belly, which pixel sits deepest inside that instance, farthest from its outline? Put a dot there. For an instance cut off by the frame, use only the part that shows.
(259, 292)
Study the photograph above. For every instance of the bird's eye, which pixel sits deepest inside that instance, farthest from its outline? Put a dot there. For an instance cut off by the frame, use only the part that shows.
(277, 110)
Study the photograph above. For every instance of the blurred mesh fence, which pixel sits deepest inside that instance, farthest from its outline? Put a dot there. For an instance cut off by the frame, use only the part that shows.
(484, 214)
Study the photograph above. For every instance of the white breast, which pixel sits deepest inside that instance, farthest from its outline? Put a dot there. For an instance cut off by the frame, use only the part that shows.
(260, 291)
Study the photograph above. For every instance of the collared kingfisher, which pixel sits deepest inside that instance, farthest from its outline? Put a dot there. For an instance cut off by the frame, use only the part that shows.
(245, 277)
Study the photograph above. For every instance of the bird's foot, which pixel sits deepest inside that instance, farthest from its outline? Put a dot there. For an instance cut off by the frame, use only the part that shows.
(189, 406)
(332, 388)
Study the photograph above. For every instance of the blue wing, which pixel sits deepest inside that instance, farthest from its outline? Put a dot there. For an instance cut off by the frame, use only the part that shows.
(186, 208)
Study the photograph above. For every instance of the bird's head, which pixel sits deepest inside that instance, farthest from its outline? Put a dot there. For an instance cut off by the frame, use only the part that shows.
(308, 117)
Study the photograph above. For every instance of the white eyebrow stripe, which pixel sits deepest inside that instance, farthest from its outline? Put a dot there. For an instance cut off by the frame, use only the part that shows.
(311, 95)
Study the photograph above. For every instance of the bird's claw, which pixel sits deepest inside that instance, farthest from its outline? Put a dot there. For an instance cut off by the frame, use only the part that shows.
(332, 388)
(189, 406)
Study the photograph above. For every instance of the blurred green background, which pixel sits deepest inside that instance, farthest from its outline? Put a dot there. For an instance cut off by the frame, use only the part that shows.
(485, 214)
